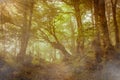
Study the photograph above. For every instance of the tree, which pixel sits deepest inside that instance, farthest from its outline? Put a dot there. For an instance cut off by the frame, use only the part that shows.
(117, 37)
(27, 20)
(47, 28)
(80, 38)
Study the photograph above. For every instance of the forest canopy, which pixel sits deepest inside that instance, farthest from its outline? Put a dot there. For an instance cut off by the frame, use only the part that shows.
(63, 33)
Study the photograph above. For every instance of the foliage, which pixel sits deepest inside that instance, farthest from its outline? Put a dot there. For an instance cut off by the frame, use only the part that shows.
(58, 39)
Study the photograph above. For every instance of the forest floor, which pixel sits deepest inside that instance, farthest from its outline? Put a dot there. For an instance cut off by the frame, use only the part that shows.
(56, 71)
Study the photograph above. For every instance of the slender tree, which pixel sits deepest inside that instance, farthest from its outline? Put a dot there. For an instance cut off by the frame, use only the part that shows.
(80, 36)
(103, 23)
(117, 36)
(103, 32)
(80, 41)
(27, 19)
(96, 42)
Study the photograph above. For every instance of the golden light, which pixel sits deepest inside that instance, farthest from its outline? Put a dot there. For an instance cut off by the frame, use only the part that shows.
(1, 1)
(7, 7)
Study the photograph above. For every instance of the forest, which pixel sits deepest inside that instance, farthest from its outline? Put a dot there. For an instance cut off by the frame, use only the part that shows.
(59, 39)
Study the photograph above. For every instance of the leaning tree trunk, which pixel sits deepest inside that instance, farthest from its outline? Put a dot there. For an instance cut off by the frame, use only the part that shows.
(61, 47)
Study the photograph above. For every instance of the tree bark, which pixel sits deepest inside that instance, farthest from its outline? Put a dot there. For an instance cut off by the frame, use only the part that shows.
(97, 40)
(25, 29)
(61, 47)
(80, 40)
(102, 27)
(117, 37)
(103, 23)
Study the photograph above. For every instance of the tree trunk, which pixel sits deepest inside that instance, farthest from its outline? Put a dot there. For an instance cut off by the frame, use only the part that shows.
(25, 30)
(80, 41)
(102, 27)
(117, 37)
(97, 40)
(24, 35)
(73, 38)
(103, 23)
(60, 47)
